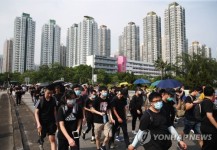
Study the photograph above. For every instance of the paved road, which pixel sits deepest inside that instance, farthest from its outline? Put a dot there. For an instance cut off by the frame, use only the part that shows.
(29, 132)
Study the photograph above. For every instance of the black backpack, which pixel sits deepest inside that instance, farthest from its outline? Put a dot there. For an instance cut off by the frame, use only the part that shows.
(197, 112)
(42, 101)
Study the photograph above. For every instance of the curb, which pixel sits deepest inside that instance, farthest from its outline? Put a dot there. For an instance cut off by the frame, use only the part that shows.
(18, 144)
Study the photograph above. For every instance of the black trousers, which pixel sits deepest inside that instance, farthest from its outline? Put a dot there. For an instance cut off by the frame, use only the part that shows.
(123, 126)
(210, 144)
(18, 99)
(134, 117)
(64, 145)
(90, 126)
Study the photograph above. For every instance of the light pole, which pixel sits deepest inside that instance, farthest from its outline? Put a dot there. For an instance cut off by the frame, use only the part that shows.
(92, 68)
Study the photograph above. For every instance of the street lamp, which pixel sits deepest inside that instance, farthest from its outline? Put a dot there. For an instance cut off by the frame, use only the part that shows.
(92, 68)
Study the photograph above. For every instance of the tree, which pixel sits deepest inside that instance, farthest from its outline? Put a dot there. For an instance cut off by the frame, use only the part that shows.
(82, 74)
(161, 65)
(196, 70)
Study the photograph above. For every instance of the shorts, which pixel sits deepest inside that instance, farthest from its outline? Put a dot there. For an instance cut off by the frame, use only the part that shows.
(106, 128)
(48, 128)
(64, 145)
(191, 125)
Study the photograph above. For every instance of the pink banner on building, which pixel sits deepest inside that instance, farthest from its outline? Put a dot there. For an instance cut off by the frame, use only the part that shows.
(122, 63)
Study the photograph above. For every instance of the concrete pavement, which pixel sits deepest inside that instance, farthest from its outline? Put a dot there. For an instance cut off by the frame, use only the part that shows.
(6, 126)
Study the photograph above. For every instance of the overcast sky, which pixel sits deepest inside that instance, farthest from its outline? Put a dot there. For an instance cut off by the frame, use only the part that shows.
(201, 19)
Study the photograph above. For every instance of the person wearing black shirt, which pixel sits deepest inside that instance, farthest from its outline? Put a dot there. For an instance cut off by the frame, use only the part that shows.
(45, 116)
(18, 93)
(118, 105)
(112, 94)
(32, 89)
(209, 121)
(102, 118)
(69, 120)
(80, 101)
(36, 94)
(58, 95)
(190, 122)
(89, 115)
(169, 104)
(135, 108)
(154, 123)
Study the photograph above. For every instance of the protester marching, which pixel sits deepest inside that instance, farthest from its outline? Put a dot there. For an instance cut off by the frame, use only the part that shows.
(68, 113)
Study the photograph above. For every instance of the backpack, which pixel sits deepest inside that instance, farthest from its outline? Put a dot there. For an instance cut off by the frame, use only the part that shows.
(197, 111)
(42, 101)
(150, 115)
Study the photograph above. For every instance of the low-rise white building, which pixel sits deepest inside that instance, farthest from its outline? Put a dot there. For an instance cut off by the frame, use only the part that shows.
(109, 64)
(137, 67)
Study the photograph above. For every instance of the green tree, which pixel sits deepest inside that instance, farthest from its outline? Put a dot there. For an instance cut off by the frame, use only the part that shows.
(196, 70)
(162, 66)
(82, 74)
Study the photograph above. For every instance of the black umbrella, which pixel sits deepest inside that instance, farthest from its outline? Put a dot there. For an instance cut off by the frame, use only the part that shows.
(57, 83)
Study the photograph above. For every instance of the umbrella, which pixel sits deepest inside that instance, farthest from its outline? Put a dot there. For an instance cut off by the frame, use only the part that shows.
(57, 83)
(43, 84)
(169, 83)
(156, 83)
(141, 81)
(124, 83)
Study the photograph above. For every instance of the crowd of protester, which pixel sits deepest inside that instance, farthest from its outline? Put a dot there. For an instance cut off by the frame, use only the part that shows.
(66, 115)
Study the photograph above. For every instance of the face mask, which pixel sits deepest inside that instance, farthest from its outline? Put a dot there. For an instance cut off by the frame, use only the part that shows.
(158, 105)
(139, 92)
(93, 96)
(198, 95)
(71, 101)
(78, 92)
(104, 94)
(170, 99)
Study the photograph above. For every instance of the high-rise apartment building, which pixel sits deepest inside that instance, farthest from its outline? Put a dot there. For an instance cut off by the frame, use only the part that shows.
(8, 56)
(174, 32)
(104, 41)
(130, 41)
(151, 37)
(198, 49)
(87, 39)
(24, 43)
(50, 43)
(121, 45)
(63, 55)
(72, 57)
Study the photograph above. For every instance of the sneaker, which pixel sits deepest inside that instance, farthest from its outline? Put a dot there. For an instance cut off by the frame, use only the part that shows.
(129, 115)
(192, 131)
(41, 147)
(177, 118)
(117, 138)
(102, 148)
(121, 139)
(93, 141)
(134, 132)
(112, 146)
(83, 135)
